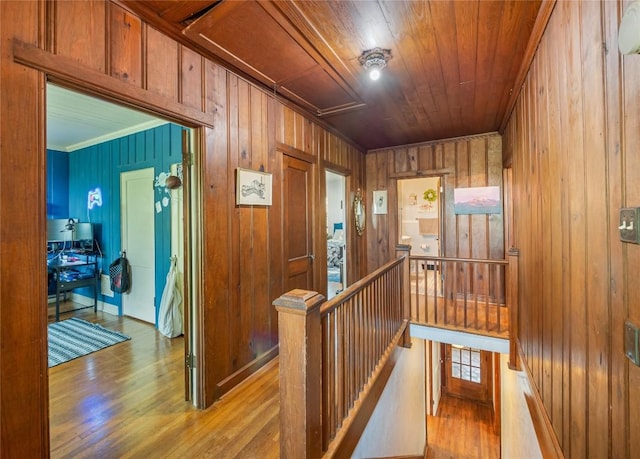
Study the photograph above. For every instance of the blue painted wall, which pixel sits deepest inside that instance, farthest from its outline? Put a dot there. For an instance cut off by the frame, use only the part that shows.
(57, 184)
(99, 166)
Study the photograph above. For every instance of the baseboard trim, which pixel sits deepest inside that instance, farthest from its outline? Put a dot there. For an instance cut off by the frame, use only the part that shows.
(549, 445)
(88, 301)
(243, 373)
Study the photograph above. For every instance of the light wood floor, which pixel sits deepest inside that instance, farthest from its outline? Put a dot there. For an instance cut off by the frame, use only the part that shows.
(128, 401)
(462, 429)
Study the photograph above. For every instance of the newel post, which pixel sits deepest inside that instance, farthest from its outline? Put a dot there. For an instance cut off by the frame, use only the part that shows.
(514, 308)
(405, 250)
(299, 331)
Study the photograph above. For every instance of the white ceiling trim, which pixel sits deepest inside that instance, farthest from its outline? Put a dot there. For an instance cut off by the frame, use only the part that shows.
(109, 136)
(76, 121)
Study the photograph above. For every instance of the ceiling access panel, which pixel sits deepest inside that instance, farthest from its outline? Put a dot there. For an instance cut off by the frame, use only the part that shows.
(250, 39)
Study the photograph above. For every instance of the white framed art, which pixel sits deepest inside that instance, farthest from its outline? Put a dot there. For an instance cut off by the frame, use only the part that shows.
(380, 202)
(253, 188)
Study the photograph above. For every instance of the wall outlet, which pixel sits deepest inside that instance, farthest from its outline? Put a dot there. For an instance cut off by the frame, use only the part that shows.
(105, 285)
(632, 342)
(629, 225)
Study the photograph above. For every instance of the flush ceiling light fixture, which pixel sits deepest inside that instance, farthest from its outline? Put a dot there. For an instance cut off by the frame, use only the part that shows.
(374, 60)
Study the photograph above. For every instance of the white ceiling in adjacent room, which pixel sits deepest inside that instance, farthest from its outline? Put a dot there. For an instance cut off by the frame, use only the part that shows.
(77, 121)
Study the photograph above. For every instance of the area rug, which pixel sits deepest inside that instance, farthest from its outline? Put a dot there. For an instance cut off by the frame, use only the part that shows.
(73, 338)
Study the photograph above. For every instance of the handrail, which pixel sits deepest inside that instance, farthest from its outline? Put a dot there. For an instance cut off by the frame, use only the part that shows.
(464, 294)
(461, 260)
(353, 289)
(335, 358)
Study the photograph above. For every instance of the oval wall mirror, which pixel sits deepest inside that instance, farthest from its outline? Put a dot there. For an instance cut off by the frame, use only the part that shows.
(359, 212)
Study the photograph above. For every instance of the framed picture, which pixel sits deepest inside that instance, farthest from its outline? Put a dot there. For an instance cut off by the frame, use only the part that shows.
(380, 202)
(478, 200)
(253, 188)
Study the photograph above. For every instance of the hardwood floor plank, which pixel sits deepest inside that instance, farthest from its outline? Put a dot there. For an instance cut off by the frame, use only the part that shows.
(127, 401)
(463, 429)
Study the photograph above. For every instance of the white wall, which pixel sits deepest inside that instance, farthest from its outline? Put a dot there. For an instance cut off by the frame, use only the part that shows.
(335, 201)
(398, 424)
(436, 372)
(518, 437)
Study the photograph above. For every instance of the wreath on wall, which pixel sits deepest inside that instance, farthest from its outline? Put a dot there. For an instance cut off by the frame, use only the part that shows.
(430, 195)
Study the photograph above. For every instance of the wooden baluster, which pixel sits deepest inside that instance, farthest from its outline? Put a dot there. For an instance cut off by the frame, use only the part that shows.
(437, 266)
(512, 298)
(299, 331)
(498, 269)
(404, 250)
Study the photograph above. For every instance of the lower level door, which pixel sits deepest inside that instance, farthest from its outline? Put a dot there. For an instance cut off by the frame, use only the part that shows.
(468, 373)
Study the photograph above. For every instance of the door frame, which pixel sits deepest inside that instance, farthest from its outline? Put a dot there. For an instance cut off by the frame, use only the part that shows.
(441, 208)
(480, 392)
(345, 224)
(193, 206)
(312, 211)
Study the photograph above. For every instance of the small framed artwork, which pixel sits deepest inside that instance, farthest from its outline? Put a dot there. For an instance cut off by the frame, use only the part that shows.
(380, 202)
(253, 188)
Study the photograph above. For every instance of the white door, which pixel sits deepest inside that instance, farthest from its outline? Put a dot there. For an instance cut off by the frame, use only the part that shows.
(138, 241)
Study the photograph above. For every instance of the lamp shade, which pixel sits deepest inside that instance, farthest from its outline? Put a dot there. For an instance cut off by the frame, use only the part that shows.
(172, 182)
(629, 32)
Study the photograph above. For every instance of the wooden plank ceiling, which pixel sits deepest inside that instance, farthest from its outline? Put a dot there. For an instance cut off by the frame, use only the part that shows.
(453, 71)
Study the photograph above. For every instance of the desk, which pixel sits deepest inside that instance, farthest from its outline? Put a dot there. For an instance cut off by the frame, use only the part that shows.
(69, 275)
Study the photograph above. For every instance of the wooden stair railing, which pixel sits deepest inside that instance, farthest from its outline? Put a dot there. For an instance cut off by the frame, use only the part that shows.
(466, 294)
(335, 359)
(460, 293)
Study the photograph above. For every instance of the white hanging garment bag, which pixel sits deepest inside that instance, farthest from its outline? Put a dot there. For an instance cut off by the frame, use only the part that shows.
(170, 316)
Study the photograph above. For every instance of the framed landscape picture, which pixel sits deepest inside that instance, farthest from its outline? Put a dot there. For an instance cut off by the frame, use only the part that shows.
(478, 200)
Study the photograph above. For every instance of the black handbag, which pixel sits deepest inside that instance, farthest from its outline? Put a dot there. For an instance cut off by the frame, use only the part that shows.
(120, 275)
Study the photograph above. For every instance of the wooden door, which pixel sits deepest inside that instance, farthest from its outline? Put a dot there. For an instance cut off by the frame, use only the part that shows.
(138, 241)
(467, 373)
(297, 226)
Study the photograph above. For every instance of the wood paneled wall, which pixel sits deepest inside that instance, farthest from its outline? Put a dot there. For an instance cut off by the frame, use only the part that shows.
(572, 140)
(24, 392)
(101, 48)
(100, 166)
(466, 162)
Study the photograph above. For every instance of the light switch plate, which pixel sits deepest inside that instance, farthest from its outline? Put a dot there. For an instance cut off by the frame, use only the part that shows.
(631, 342)
(629, 224)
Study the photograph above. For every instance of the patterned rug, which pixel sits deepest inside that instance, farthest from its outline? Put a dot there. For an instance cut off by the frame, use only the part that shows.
(74, 338)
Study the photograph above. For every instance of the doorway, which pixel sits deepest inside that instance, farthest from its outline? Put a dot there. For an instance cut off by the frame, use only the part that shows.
(108, 150)
(467, 373)
(420, 215)
(336, 234)
(468, 405)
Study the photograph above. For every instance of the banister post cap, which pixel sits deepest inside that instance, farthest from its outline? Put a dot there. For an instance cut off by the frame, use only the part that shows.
(298, 301)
